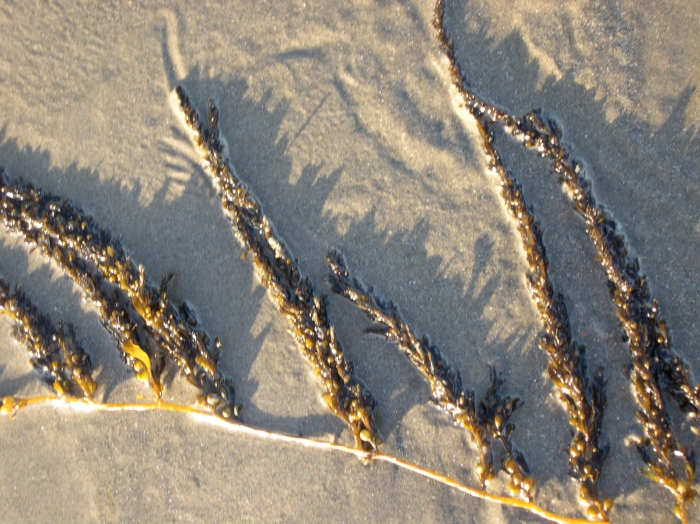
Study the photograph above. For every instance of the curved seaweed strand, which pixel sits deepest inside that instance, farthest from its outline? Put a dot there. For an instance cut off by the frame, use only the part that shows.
(584, 398)
(174, 329)
(655, 366)
(53, 350)
(629, 289)
(627, 283)
(544, 135)
(447, 393)
(345, 396)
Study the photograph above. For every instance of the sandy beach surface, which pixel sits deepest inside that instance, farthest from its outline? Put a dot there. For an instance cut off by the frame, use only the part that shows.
(341, 119)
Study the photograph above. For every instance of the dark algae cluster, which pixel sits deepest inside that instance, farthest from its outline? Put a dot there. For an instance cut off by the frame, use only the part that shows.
(53, 351)
(156, 336)
(583, 397)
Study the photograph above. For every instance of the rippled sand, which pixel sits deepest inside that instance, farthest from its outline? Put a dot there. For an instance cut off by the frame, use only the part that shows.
(342, 122)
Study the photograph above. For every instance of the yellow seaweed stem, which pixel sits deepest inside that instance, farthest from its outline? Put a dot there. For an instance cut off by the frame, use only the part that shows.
(12, 405)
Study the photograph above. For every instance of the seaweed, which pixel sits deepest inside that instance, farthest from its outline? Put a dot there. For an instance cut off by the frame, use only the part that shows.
(583, 398)
(147, 326)
(346, 397)
(654, 365)
(154, 334)
(489, 422)
(53, 350)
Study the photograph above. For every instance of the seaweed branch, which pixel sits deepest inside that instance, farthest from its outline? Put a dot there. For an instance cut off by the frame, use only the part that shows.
(53, 350)
(489, 422)
(346, 397)
(584, 399)
(654, 365)
(144, 322)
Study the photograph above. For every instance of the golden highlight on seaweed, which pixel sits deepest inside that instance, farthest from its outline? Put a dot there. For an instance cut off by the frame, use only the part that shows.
(489, 422)
(345, 396)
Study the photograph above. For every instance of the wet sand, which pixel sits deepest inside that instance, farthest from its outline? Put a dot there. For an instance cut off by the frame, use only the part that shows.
(342, 122)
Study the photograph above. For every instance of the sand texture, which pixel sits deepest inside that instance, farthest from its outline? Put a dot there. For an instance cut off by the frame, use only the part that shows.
(341, 119)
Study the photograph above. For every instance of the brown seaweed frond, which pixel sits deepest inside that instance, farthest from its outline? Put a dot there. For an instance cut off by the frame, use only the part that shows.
(584, 399)
(136, 346)
(144, 322)
(53, 350)
(655, 366)
(544, 135)
(489, 422)
(628, 285)
(345, 396)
